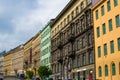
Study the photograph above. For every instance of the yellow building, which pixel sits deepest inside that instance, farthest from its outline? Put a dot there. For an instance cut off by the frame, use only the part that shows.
(17, 60)
(28, 55)
(7, 64)
(36, 53)
(107, 39)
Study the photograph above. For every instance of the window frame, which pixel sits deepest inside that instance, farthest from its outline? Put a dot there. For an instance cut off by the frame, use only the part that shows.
(115, 3)
(106, 70)
(102, 10)
(110, 25)
(104, 28)
(108, 5)
(112, 49)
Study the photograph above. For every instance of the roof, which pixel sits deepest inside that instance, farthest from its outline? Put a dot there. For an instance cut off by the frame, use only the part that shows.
(68, 6)
(49, 23)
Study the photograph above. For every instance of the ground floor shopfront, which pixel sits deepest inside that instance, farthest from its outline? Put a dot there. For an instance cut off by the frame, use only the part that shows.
(81, 73)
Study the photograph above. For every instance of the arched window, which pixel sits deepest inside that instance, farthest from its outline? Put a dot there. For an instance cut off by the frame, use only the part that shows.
(113, 69)
(106, 70)
(100, 71)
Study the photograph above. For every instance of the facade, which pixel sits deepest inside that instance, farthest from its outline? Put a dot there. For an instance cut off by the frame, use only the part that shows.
(28, 55)
(1, 61)
(36, 53)
(72, 48)
(17, 60)
(45, 45)
(107, 39)
(7, 64)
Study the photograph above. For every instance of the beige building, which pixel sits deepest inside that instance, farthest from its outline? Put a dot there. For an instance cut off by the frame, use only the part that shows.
(72, 48)
(36, 53)
(28, 55)
(13, 61)
(7, 64)
(17, 60)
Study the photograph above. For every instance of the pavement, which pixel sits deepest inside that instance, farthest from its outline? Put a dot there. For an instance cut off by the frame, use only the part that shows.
(11, 78)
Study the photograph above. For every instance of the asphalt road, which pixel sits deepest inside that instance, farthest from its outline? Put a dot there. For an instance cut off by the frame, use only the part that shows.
(11, 78)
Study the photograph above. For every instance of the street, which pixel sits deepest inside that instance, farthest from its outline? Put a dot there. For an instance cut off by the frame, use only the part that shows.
(10, 78)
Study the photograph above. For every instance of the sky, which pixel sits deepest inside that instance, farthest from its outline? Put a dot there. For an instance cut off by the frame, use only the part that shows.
(22, 19)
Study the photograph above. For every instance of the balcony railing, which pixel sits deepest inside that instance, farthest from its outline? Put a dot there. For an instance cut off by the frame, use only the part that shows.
(59, 59)
(71, 37)
(71, 54)
(60, 45)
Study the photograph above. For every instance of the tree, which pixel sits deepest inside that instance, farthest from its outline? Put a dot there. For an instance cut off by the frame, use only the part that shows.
(44, 72)
(29, 74)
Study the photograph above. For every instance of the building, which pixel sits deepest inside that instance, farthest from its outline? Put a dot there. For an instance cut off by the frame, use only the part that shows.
(36, 53)
(45, 48)
(107, 39)
(7, 64)
(1, 61)
(72, 47)
(28, 55)
(17, 60)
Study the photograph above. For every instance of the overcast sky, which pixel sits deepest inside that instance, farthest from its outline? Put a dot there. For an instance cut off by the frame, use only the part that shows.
(22, 19)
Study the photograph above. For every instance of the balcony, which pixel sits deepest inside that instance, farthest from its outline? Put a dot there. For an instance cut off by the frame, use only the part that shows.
(71, 37)
(60, 45)
(60, 60)
(71, 54)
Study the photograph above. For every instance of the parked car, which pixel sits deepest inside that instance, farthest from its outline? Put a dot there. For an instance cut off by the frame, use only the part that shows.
(1, 76)
(35, 78)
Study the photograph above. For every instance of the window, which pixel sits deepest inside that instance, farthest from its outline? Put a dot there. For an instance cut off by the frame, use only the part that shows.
(78, 75)
(84, 59)
(84, 74)
(113, 69)
(110, 25)
(108, 6)
(77, 28)
(102, 10)
(112, 46)
(118, 44)
(89, 39)
(106, 70)
(83, 23)
(64, 22)
(88, 19)
(91, 57)
(68, 18)
(117, 21)
(83, 42)
(104, 28)
(78, 61)
(115, 2)
(82, 5)
(78, 44)
(77, 11)
(100, 72)
(74, 63)
(99, 51)
(72, 14)
(97, 14)
(105, 49)
(98, 32)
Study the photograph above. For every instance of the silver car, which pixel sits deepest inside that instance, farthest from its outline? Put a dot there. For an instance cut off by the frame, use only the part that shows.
(1, 76)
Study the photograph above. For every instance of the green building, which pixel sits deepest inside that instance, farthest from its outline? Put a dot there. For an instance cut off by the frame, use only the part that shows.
(45, 45)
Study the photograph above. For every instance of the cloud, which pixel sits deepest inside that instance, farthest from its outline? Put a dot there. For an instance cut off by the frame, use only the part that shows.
(22, 19)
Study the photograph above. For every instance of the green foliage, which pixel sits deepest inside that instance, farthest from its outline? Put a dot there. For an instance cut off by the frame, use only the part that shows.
(44, 72)
(29, 74)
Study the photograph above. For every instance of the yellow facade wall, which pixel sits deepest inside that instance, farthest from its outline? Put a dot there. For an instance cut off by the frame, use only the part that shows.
(106, 38)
